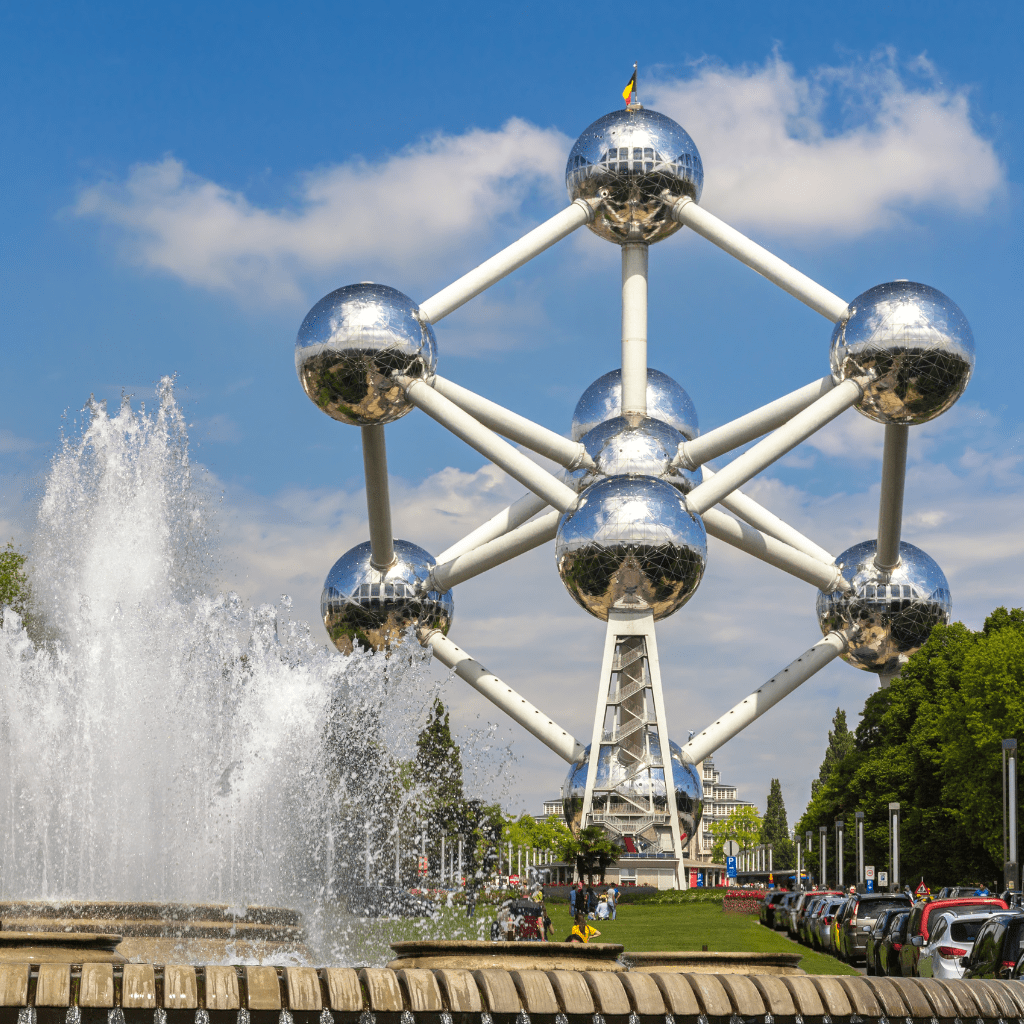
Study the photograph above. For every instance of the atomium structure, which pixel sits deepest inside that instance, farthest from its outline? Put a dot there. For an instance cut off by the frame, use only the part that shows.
(632, 507)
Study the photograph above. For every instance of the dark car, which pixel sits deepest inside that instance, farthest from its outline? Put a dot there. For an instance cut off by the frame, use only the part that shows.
(796, 908)
(780, 916)
(860, 917)
(918, 930)
(810, 905)
(892, 944)
(997, 947)
(768, 905)
(873, 947)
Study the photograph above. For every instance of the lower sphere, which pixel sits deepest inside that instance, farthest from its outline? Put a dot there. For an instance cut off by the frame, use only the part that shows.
(895, 611)
(364, 607)
(630, 542)
(627, 790)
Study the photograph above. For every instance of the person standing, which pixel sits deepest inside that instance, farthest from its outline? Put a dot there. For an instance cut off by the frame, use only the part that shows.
(613, 900)
(572, 900)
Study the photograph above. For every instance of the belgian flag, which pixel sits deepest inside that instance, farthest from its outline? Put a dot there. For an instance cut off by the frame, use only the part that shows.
(630, 89)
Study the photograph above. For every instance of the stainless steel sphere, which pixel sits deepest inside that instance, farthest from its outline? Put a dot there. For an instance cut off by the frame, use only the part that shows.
(618, 448)
(895, 611)
(647, 785)
(630, 542)
(919, 343)
(666, 401)
(363, 606)
(351, 344)
(631, 157)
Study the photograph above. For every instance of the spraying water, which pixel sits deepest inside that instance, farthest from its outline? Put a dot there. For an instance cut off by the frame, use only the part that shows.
(164, 744)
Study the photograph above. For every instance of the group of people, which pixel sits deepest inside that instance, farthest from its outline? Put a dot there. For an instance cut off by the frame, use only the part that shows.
(526, 919)
(591, 905)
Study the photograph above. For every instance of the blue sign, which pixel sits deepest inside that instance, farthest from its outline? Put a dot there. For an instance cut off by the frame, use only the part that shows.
(869, 884)
(700, 879)
(730, 867)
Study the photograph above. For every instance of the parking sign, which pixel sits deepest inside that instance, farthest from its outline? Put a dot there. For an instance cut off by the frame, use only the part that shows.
(883, 879)
(730, 867)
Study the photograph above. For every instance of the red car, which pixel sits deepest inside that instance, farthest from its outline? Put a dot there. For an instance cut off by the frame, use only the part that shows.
(917, 926)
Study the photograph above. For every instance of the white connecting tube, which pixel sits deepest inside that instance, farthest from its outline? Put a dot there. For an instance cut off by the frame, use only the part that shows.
(570, 454)
(450, 573)
(378, 499)
(488, 444)
(823, 575)
(751, 708)
(755, 256)
(738, 432)
(517, 707)
(739, 504)
(511, 258)
(507, 519)
(775, 445)
(634, 330)
(890, 505)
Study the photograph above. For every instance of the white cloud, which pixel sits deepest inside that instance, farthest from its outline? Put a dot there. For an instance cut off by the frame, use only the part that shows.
(772, 160)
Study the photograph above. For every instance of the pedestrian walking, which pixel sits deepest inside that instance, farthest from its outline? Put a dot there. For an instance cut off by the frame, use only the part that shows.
(613, 900)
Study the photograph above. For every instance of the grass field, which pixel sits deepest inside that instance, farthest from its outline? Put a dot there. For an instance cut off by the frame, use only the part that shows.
(638, 927)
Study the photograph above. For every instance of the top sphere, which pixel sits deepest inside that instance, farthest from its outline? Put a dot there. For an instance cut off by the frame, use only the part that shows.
(351, 344)
(918, 342)
(630, 157)
(666, 401)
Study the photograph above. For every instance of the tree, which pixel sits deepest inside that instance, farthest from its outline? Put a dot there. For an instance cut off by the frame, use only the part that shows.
(840, 746)
(741, 824)
(775, 829)
(438, 768)
(14, 588)
(592, 851)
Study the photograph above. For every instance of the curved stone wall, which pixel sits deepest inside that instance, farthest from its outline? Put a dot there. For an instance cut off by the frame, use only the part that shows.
(52, 993)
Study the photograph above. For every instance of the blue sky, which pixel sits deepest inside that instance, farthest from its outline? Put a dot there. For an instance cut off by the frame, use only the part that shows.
(182, 183)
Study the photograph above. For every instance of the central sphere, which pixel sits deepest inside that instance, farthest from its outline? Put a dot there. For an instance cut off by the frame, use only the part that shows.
(631, 543)
(365, 607)
(350, 346)
(895, 610)
(666, 401)
(630, 158)
(631, 789)
(918, 342)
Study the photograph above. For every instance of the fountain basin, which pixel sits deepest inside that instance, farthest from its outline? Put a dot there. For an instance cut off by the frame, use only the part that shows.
(510, 956)
(713, 962)
(59, 948)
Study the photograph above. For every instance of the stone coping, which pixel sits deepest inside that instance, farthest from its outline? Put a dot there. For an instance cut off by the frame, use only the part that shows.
(349, 993)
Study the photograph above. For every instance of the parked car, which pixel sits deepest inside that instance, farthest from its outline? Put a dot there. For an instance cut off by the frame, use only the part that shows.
(951, 941)
(826, 915)
(959, 892)
(873, 948)
(859, 918)
(766, 913)
(892, 944)
(795, 909)
(806, 916)
(998, 947)
(780, 919)
(837, 923)
(918, 928)
(1012, 897)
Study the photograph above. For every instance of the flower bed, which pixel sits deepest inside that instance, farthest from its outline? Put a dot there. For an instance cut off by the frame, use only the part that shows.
(743, 901)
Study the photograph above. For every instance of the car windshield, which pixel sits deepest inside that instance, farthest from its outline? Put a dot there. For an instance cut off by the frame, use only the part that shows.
(965, 931)
(874, 908)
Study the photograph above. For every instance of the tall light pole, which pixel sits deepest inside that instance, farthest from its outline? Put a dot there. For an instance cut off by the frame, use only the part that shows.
(894, 847)
(1010, 878)
(798, 881)
(859, 817)
(823, 853)
(809, 840)
(840, 833)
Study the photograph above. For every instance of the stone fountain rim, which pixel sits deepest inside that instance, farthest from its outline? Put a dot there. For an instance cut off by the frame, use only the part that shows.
(459, 947)
(60, 938)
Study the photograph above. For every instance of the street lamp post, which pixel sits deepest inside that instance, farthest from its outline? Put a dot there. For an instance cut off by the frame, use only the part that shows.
(823, 853)
(809, 838)
(798, 881)
(894, 847)
(1010, 813)
(859, 817)
(840, 833)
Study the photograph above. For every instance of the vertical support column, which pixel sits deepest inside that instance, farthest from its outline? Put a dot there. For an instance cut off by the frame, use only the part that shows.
(890, 505)
(859, 817)
(823, 854)
(840, 836)
(1010, 869)
(894, 847)
(634, 330)
(798, 880)
(378, 499)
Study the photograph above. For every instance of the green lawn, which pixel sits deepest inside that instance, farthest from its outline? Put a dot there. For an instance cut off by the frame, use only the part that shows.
(638, 927)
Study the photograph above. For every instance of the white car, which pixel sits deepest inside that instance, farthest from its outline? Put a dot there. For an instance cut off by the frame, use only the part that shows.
(951, 938)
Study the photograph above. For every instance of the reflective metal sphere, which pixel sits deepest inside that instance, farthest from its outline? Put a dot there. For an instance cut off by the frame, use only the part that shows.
(352, 342)
(630, 542)
(647, 788)
(666, 401)
(361, 605)
(919, 343)
(895, 611)
(631, 157)
(618, 449)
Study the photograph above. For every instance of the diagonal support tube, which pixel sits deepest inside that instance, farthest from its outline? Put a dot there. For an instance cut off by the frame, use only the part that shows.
(378, 499)
(570, 454)
(446, 575)
(775, 445)
(755, 256)
(507, 519)
(488, 444)
(890, 505)
(534, 242)
(704, 744)
(754, 424)
(517, 707)
(824, 576)
(750, 511)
